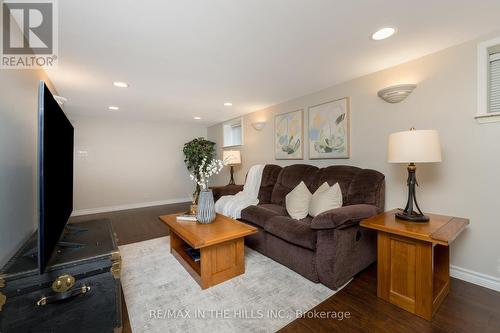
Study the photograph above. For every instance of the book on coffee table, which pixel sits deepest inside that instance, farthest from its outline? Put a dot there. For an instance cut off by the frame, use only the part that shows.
(186, 217)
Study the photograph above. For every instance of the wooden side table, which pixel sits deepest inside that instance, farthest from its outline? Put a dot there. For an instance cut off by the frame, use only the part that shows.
(413, 267)
(219, 191)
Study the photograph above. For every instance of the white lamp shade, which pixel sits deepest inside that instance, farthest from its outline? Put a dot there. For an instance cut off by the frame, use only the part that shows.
(231, 157)
(414, 146)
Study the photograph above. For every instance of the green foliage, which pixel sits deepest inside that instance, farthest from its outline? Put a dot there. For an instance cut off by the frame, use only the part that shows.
(194, 153)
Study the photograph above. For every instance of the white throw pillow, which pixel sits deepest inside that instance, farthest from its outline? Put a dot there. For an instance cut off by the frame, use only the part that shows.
(297, 201)
(325, 198)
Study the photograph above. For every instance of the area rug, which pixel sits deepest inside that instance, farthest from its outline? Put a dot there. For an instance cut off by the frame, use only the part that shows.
(161, 296)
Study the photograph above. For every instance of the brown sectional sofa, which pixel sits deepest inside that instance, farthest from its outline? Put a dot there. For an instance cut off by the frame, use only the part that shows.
(329, 248)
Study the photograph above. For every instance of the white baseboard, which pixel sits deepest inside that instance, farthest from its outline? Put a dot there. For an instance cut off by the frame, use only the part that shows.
(480, 279)
(128, 206)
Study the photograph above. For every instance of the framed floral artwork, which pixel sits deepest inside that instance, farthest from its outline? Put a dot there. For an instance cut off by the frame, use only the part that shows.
(289, 136)
(329, 130)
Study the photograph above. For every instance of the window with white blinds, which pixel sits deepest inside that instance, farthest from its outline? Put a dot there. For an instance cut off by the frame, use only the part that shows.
(233, 133)
(494, 83)
(488, 81)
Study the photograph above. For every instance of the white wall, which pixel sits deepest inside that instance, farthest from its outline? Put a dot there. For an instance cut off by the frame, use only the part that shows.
(130, 163)
(18, 129)
(465, 184)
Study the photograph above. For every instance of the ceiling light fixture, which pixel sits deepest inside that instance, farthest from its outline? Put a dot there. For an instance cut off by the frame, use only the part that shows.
(113, 108)
(120, 84)
(383, 33)
(196, 118)
(228, 104)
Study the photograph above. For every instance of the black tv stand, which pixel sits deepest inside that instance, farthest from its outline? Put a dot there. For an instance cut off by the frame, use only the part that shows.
(69, 230)
(70, 233)
(92, 300)
(32, 253)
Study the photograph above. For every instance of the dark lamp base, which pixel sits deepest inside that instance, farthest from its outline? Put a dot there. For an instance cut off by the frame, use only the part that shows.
(231, 181)
(412, 212)
(415, 217)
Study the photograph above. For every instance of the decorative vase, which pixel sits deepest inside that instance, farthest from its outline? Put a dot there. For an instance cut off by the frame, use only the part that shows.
(206, 207)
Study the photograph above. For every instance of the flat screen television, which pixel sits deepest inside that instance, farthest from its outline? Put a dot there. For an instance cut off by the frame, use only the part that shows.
(55, 173)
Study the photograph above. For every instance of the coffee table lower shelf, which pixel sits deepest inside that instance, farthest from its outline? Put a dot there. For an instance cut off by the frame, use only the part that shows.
(218, 262)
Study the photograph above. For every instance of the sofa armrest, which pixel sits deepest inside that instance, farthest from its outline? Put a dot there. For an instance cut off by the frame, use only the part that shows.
(220, 191)
(334, 218)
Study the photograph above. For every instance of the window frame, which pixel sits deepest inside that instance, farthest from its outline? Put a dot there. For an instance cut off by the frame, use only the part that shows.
(483, 63)
(238, 122)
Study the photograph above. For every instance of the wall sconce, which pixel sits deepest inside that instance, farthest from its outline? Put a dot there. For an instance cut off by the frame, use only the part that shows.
(259, 125)
(396, 94)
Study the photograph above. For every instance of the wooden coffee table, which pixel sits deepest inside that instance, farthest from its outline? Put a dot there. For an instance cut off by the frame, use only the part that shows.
(221, 245)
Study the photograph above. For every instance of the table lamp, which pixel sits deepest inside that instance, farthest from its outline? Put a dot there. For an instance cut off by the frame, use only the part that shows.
(413, 147)
(231, 158)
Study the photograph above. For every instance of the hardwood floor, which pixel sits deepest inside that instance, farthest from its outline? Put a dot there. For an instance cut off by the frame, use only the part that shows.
(468, 308)
(137, 225)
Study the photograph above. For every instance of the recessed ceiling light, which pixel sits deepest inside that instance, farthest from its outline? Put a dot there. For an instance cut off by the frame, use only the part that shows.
(120, 84)
(196, 118)
(228, 104)
(383, 33)
(113, 108)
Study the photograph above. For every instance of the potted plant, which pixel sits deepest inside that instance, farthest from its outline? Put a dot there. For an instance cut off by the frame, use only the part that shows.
(199, 159)
(195, 151)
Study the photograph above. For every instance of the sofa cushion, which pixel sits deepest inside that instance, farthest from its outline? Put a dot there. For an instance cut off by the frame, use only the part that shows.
(297, 201)
(269, 177)
(279, 210)
(368, 187)
(297, 232)
(259, 215)
(359, 186)
(341, 174)
(291, 176)
(325, 198)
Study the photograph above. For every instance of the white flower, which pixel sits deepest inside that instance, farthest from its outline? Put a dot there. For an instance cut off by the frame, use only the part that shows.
(205, 171)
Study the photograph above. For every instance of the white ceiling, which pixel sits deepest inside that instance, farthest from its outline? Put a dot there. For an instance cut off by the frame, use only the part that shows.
(185, 58)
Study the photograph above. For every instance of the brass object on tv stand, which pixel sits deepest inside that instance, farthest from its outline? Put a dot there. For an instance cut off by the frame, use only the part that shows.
(63, 283)
(116, 264)
(3, 298)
